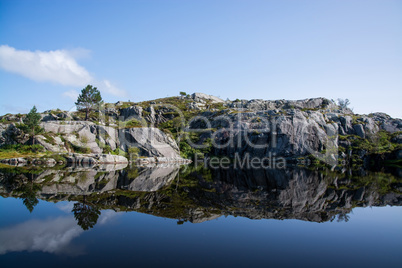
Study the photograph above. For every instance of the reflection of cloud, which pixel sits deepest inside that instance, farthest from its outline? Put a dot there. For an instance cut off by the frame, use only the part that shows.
(65, 207)
(107, 215)
(51, 236)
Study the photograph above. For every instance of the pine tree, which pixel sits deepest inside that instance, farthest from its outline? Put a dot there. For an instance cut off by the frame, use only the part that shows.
(31, 122)
(89, 98)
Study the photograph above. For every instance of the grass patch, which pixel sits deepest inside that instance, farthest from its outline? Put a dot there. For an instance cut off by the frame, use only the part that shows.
(49, 139)
(132, 124)
(20, 150)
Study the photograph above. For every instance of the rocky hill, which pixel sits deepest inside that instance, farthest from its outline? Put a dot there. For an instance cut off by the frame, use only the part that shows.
(205, 125)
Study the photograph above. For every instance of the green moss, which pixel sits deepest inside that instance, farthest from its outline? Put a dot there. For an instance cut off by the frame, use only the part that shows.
(80, 149)
(119, 151)
(132, 124)
(49, 138)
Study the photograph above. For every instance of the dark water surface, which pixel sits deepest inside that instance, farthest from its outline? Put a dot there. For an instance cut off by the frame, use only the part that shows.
(172, 217)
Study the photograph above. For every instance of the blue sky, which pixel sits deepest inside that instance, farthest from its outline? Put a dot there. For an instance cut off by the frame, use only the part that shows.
(141, 50)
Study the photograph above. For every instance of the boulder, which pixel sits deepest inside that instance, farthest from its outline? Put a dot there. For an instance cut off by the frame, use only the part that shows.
(10, 134)
(359, 129)
(346, 123)
(133, 112)
(111, 159)
(150, 141)
(48, 117)
(201, 97)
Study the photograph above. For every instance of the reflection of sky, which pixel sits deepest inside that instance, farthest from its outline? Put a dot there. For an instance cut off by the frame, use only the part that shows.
(52, 235)
(371, 238)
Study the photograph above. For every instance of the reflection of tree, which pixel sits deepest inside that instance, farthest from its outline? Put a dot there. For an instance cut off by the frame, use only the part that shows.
(86, 215)
(30, 202)
(28, 195)
(132, 172)
(343, 217)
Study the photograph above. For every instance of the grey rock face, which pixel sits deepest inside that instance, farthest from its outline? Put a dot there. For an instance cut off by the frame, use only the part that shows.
(108, 135)
(151, 142)
(10, 134)
(49, 117)
(80, 133)
(260, 105)
(58, 145)
(201, 97)
(386, 122)
(346, 124)
(133, 112)
(154, 117)
(359, 130)
(290, 128)
(11, 118)
(295, 134)
(93, 159)
(286, 127)
(54, 115)
(196, 106)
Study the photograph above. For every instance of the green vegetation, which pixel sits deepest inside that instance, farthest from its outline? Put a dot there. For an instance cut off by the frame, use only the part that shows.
(106, 148)
(119, 151)
(20, 150)
(79, 149)
(378, 143)
(133, 152)
(375, 145)
(189, 152)
(49, 138)
(132, 124)
(31, 124)
(84, 139)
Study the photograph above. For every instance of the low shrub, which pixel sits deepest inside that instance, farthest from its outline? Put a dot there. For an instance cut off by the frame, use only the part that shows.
(36, 148)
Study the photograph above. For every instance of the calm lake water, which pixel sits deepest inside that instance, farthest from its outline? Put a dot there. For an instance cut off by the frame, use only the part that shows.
(187, 217)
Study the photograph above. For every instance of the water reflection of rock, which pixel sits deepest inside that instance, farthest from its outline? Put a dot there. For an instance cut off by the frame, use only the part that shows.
(80, 180)
(297, 194)
(207, 194)
(153, 179)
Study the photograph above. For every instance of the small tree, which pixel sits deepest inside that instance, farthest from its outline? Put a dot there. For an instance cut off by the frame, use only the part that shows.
(343, 103)
(31, 122)
(182, 93)
(89, 98)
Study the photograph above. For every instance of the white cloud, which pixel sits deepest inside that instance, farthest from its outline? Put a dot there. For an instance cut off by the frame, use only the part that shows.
(107, 87)
(72, 94)
(58, 66)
